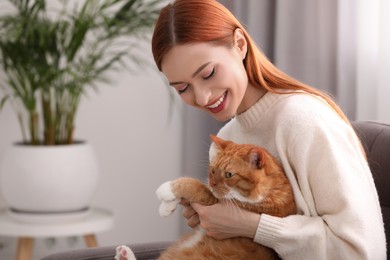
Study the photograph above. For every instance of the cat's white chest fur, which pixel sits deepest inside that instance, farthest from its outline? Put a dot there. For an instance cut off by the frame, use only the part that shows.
(194, 239)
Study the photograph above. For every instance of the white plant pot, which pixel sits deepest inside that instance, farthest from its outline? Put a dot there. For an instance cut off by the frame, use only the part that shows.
(49, 179)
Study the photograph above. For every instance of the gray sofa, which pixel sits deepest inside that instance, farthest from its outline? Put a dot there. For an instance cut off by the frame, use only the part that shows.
(148, 251)
(376, 141)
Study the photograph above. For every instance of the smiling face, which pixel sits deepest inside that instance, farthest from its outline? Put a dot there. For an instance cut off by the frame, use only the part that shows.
(211, 78)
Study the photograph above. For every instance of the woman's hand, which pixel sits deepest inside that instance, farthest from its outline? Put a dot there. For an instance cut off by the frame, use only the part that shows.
(190, 214)
(223, 220)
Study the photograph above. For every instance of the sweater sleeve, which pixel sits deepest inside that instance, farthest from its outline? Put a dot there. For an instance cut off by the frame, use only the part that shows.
(339, 214)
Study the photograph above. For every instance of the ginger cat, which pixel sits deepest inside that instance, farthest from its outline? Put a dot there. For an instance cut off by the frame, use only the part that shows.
(244, 174)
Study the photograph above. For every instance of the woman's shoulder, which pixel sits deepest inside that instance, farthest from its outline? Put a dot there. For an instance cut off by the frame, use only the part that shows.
(300, 114)
(303, 106)
(291, 112)
(301, 102)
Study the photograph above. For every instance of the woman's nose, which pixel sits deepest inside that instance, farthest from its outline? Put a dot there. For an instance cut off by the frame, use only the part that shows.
(202, 95)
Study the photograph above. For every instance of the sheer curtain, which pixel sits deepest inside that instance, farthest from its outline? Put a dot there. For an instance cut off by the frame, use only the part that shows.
(338, 46)
(373, 60)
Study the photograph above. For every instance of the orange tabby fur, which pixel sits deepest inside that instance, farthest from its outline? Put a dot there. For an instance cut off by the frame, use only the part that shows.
(253, 173)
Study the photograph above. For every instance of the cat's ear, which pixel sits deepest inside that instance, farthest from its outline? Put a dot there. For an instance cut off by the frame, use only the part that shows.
(256, 158)
(219, 142)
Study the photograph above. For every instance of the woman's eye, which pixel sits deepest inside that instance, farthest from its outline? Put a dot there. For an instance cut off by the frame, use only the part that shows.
(228, 175)
(182, 89)
(210, 74)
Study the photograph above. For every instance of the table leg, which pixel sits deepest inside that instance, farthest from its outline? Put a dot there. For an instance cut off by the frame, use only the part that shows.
(25, 248)
(90, 240)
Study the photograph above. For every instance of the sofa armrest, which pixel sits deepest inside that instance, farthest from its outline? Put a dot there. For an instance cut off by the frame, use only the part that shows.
(142, 251)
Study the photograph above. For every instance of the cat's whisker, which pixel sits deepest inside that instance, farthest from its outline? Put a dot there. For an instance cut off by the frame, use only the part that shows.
(239, 209)
(231, 203)
(203, 165)
(206, 143)
(236, 207)
(205, 181)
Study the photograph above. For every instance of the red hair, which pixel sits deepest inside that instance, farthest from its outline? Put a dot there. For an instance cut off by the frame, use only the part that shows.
(196, 21)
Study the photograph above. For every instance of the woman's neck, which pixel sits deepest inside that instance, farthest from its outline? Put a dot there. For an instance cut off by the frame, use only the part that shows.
(252, 95)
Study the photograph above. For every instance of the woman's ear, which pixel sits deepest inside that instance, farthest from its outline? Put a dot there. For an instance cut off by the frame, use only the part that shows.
(240, 42)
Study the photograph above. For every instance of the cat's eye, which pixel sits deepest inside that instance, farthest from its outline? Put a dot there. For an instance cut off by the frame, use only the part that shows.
(228, 175)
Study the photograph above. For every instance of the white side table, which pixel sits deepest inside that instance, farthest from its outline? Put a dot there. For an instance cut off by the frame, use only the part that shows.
(97, 220)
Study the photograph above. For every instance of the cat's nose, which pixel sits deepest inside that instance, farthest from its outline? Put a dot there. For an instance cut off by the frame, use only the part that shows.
(213, 183)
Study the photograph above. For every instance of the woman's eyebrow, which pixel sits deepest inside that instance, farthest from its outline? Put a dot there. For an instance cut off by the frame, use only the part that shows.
(175, 83)
(193, 75)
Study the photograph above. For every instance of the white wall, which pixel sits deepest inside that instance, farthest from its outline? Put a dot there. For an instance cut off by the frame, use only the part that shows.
(138, 144)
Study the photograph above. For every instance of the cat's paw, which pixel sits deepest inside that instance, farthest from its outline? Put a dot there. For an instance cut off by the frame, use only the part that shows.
(164, 192)
(168, 199)
(124, 253)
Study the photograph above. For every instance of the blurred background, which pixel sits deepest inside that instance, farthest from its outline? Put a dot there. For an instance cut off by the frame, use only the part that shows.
(144, 136)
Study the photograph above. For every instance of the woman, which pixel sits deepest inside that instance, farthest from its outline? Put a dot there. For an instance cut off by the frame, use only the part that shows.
(214, 65)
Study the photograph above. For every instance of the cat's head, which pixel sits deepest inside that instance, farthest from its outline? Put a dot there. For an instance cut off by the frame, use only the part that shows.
(241, 171)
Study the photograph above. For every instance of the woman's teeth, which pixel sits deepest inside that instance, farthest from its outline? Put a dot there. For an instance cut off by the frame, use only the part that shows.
(219, 101)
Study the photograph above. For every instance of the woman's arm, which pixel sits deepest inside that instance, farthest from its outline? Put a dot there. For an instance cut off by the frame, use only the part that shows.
(339, 212)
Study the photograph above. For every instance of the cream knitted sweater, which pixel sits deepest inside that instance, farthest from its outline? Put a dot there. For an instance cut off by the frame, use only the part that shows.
(339, 216)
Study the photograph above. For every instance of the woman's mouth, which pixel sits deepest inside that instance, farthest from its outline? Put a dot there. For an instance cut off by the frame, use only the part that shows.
(218, 104)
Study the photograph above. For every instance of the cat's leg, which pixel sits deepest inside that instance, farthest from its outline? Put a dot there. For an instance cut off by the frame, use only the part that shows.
(170, 193)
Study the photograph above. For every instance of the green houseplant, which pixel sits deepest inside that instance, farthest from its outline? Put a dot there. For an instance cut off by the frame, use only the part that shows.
(49, 57)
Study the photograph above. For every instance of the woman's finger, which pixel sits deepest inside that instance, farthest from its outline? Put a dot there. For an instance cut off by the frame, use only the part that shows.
(188, 212)
(192, 217)
(193, 221)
